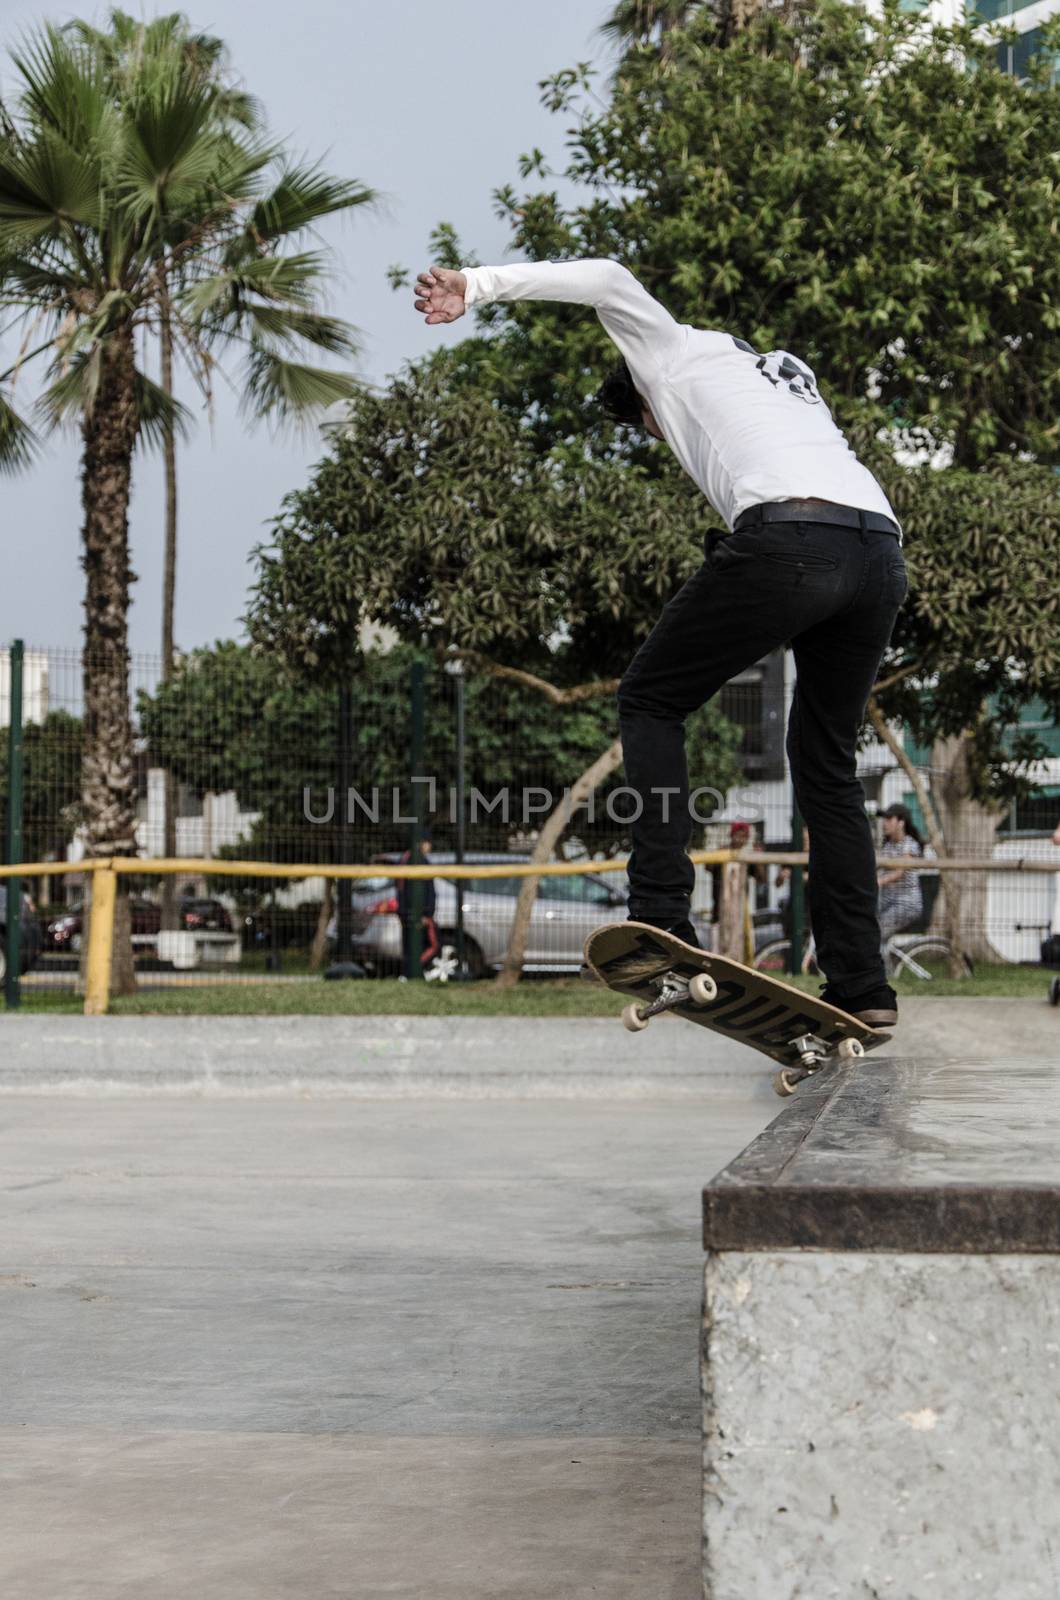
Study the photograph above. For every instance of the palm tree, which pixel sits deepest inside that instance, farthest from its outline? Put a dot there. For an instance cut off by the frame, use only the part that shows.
(133, 53)
(119, 204)
(642, 21)
(635, 21)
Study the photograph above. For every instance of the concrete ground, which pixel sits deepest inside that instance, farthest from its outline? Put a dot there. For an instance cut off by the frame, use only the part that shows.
(278, 1347)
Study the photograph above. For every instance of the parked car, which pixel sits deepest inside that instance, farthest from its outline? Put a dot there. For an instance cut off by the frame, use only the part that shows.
(30, 939)
(204, 915)
(64, 933)
(567, 909)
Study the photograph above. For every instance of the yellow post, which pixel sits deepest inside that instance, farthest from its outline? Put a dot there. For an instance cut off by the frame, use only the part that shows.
(100, 942)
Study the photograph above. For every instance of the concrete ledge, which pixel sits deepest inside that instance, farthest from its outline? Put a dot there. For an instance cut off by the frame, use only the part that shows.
(957, 1156)
(881, 1344)
(456, 1057)
(881, 1425)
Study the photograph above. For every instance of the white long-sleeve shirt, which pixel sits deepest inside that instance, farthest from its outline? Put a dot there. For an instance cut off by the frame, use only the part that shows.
(748, 427)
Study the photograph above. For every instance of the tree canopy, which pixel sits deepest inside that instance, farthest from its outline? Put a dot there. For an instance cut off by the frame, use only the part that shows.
(819, 180)
(867, 190)
(228, 719)
(435, 513)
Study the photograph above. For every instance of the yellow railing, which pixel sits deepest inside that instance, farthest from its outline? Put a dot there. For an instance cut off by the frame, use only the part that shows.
(106, 870)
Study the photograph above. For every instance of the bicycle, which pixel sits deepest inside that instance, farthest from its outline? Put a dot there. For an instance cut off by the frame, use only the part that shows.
(775, 957)
(909, 951)
(902, 953)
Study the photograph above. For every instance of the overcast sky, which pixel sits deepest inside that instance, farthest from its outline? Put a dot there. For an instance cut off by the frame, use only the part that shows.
(431, 104)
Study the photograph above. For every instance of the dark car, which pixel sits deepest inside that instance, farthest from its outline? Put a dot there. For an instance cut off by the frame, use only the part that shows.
(210, 915)
(30, 939)
(64, 932)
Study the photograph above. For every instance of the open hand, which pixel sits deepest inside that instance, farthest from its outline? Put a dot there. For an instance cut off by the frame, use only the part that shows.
(440, 293)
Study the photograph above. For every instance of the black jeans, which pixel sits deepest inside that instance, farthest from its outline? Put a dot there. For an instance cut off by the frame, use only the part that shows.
(832, 593)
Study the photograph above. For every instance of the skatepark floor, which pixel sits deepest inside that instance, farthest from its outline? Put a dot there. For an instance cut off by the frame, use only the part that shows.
(257, 1349)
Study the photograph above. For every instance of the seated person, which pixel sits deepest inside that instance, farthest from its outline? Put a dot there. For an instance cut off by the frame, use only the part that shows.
(901, 903)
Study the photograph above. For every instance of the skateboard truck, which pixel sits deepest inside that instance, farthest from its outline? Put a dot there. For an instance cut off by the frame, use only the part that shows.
(811, 1053)
(700, 990)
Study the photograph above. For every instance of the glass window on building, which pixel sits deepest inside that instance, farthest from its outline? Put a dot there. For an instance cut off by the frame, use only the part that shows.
(1016, 58)
(1034, 813)
(995, 10)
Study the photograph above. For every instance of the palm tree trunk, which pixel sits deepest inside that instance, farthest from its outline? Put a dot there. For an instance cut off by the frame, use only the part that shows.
(169, 594)
(108, 788)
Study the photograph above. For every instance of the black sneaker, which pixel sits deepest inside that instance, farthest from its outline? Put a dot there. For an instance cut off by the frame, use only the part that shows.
(876, 1008)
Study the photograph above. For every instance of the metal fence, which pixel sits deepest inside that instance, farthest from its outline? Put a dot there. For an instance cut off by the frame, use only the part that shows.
(233, 761)
(235, 764)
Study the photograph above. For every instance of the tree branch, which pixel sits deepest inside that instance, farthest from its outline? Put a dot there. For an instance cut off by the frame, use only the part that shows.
(895, 677)
(559, 697)
(916, 781)
(585, 785)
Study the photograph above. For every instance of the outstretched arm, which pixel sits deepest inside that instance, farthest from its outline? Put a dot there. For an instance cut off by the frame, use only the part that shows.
(644, 331)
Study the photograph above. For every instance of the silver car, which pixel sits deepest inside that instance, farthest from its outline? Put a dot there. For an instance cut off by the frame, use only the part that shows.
(567, 909)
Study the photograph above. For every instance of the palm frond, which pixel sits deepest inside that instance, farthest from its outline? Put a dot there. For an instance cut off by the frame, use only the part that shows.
(283, 326)
(160, 413)
(39, 276)
(289, 391)
(64, 85)
(301, 197)
(73, 393)
(45, 185)
(638, 19)
(18, 442)
(241, 108)
(289, 280)
(120, 34)
(169, 141)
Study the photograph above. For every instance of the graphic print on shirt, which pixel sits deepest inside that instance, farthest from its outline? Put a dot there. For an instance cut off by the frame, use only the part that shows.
(781, 367)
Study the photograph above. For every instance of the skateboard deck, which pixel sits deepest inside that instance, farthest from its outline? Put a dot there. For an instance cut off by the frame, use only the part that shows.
(662, 973)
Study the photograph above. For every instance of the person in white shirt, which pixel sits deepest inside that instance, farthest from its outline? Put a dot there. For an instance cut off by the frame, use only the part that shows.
(810, 556)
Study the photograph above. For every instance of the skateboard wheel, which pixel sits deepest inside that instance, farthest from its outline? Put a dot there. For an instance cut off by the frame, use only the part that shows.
(702, 989)
(850, 1049)
(632, 1018)
(783, 1084)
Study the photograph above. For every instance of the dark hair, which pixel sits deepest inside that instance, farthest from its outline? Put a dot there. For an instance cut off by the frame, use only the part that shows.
(617, 397)
(905, 816)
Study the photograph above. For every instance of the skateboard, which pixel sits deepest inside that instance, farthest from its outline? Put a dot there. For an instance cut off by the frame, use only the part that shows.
(799, 1032)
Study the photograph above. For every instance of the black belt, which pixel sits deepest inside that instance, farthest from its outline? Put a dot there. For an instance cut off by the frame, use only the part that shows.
(815, 511)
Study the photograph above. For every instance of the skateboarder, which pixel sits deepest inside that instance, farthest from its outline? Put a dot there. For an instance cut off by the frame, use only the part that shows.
(811, 557)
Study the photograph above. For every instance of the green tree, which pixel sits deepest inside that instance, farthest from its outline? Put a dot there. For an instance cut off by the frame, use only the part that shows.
(51, 785)
(978, 640)
(436, 514)
(826, 181)
(845, 186)
(227, 720)
(99, 181)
